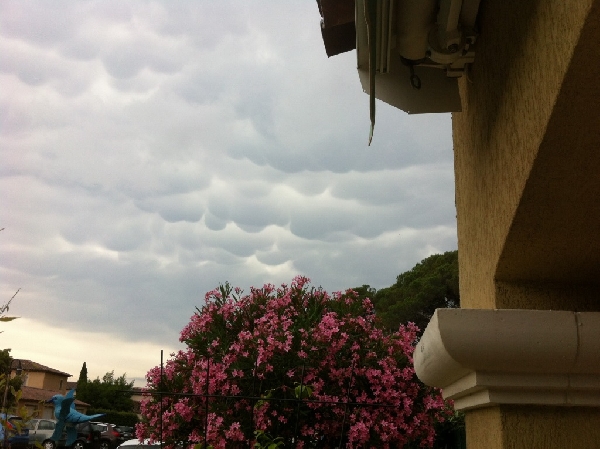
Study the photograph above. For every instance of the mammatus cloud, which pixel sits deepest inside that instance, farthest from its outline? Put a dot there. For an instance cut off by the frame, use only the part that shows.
(152, 150)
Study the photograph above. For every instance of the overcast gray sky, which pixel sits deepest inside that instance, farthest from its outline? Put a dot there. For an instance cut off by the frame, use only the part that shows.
(152, 150)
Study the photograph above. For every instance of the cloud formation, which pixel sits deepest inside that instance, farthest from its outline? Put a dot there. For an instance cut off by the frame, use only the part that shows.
(152, 150)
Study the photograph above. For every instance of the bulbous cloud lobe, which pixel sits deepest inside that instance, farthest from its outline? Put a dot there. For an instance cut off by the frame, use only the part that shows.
(152, 150)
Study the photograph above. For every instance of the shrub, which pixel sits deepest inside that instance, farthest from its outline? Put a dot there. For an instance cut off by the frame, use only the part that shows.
(291, 366)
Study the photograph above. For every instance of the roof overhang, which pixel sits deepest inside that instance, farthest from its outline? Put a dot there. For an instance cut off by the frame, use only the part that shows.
(337, 26)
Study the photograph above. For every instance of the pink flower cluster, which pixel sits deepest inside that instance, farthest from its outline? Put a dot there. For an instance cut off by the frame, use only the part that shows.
(295, 363)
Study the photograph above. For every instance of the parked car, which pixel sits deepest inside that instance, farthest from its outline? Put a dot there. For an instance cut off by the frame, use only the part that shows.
(42, 429)
(17, 435)
(87, 437)
(127, 432)
(110, 437)
(135, 444)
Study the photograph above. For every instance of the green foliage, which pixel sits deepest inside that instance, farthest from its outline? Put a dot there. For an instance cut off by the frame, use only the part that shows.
(266, 441)
(11, 387)
(203, 446)
(11, 394)
(431, 284)
(14, 384)
(110, 393)
(366, 291)
(117, 418)
(302, 391)
(451, 433)
(5, 360)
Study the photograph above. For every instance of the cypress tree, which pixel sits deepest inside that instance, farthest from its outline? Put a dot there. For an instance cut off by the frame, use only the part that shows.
(82, 381)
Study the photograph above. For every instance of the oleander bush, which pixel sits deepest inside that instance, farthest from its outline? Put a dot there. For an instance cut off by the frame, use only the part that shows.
(290, 367)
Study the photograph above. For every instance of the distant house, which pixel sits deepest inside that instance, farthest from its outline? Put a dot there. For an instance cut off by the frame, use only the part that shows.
(40, 383)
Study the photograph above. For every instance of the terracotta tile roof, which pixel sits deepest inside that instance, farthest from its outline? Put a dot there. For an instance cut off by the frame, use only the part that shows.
(28, 365)
(39, 394)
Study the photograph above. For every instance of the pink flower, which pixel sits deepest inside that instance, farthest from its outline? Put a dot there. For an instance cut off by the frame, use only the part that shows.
(282, 343)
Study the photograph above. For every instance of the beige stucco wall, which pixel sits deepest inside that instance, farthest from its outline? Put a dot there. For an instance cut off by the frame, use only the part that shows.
(533, 427)
(527, 165)
(46, 381)
(55, 382)
(527, 159)
(35, 380)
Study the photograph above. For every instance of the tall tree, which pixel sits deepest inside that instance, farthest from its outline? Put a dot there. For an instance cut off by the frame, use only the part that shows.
(82, 382)
(14, 383)
(431, 284)
(108, 393)
(82, 376)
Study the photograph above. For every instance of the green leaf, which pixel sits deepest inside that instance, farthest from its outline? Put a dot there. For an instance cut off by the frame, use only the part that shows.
(303, 391)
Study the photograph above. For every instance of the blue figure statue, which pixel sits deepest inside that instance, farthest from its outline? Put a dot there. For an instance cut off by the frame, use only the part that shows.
(65, 413)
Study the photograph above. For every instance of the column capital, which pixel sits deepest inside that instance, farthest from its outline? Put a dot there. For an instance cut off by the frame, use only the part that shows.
(485, 357)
